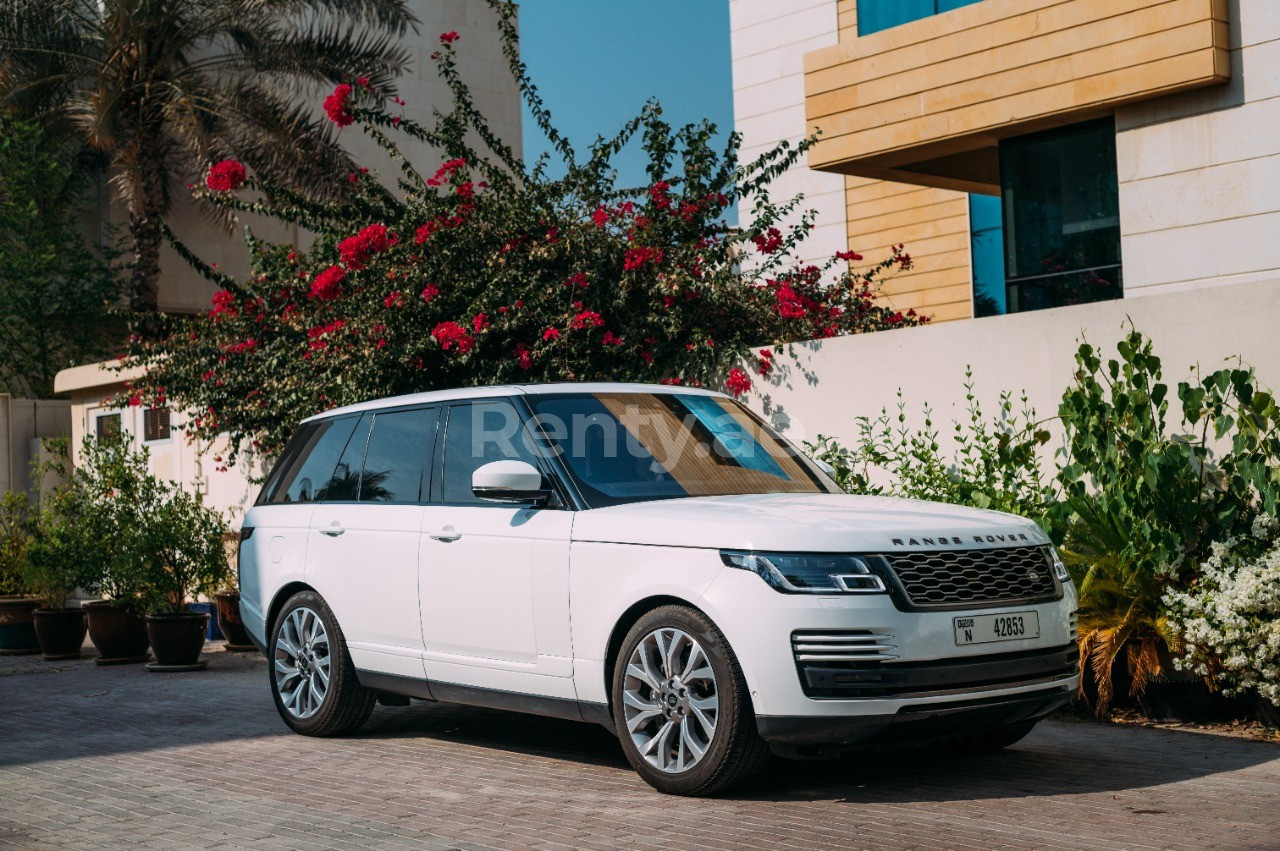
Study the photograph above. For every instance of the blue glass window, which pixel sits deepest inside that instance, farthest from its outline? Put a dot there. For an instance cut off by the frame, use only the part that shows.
(876, 15)
(986, 233)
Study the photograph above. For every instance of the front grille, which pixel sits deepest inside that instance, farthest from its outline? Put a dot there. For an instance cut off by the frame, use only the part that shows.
(964, 577)
(842, 645)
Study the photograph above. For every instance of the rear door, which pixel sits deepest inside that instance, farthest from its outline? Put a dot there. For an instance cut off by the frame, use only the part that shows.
(273, 548)
(363, 548)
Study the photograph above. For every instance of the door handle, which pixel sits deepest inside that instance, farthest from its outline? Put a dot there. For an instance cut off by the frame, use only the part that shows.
(335, 529)
(448, 533)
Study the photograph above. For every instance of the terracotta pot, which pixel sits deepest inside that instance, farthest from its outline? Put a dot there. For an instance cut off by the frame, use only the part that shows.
(61, 632)
(118, 634)
(177, 639)
(17, 626)
(230, 623)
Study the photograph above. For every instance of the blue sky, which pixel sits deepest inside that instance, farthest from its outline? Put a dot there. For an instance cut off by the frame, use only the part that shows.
(596, 62)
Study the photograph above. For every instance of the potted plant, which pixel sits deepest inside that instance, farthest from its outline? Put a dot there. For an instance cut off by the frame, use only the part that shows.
(17, 607)
(107, 482)
(61, 550)
(228, 600)
(180, 555)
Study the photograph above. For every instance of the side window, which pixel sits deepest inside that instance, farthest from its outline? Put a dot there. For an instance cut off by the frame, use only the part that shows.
(476, 434)
(344, 484)
(397, 454)
(311, 467)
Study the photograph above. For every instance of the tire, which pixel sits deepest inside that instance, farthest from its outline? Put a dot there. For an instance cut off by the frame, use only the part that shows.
(996, 739)
(303, 700)
(732, 752)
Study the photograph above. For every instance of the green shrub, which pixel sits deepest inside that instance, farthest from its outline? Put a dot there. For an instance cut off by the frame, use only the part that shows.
(15, 541)
(995, 463)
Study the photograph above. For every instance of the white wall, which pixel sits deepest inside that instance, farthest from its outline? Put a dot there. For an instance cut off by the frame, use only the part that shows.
(1200, 172)
(820, 387)
(769, 41)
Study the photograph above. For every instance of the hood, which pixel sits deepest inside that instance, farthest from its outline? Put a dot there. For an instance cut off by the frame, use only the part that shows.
(805, 523)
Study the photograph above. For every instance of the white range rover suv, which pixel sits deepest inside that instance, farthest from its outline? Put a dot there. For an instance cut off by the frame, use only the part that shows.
(654, 559)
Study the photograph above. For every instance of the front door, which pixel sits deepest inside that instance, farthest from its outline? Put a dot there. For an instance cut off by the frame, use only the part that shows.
(363, 552)
(494, 585)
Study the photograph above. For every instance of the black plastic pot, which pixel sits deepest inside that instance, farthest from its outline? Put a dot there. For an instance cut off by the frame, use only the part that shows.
(231, 624)
(1267, 712)
(17, 626)
(176, 640)
(118, 635)
(61, 632)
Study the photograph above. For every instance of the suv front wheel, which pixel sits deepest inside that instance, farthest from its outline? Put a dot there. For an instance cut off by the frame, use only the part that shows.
(313, 679)
(681, 706)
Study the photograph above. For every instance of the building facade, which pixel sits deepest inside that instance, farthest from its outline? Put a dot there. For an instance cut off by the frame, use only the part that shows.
(1052, 167)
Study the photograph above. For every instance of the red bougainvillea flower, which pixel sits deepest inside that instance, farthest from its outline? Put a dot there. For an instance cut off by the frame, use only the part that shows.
(328, 284)
(611, 339)
(226, 176)
(450, 37)
(480, 322)
(550, 333)
(446, 170)
(429, 292)
(524, 357)
(465, 190)
(451, 335)
(764, 362)
(790, 305)
(600, 217)
(587, 319)
(848, 255)
(737, 383)
(224, 304)
(395, 299)
(335, 106)
(768, 242)
(635, 258)
(355, 251)
(577, 279)
(658, 194)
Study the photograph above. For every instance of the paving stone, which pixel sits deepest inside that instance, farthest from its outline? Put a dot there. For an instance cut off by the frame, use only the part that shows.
(115, 756)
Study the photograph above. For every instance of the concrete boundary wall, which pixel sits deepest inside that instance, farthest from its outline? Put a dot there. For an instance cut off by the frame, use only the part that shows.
(822, 386)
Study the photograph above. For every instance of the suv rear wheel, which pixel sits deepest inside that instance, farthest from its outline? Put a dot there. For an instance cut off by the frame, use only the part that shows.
(312, 678)
(681, 706)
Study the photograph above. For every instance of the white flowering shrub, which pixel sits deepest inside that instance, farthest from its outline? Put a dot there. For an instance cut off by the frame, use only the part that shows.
(1231, 619)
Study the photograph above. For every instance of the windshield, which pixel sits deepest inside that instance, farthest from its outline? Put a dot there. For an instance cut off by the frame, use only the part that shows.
(632, 447)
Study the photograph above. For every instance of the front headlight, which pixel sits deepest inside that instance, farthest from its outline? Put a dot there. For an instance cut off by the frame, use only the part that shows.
(1059, 566)
(809, 573)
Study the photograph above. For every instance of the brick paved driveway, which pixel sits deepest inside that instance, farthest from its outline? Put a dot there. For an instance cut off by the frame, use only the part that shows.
(113, 756)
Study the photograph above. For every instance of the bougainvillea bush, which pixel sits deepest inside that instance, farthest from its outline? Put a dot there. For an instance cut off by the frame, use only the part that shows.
(477, 269)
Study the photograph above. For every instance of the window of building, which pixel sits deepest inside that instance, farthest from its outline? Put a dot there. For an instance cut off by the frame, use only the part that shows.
(986, 234)
(155, 424)
(106, 427)
(1061, 217)
(876, 15)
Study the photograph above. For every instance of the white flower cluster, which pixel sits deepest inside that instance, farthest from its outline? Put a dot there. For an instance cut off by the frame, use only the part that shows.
(1233, 615)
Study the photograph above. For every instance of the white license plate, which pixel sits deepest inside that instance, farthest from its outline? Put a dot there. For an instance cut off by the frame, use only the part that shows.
(1014, 626)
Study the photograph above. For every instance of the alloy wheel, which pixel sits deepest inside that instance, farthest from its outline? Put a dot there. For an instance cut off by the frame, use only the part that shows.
(669, 700)
(302, 662)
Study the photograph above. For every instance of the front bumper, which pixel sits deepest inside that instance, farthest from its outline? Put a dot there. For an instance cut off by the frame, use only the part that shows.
(914, 671)
(921, 722)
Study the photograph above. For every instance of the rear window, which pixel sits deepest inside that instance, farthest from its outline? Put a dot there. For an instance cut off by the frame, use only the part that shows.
(308, 466)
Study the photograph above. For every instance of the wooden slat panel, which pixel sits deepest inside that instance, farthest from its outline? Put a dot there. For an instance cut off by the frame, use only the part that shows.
(961, 80)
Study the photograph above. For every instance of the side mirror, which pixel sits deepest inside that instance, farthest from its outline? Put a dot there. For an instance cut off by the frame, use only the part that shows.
(824, 466)
(509, 481)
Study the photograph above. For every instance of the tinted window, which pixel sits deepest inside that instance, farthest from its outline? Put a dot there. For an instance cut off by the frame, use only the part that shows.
(397, 453)
(630, 447)
(477, 434)
(344, 484)
(308, 472)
